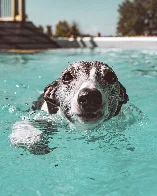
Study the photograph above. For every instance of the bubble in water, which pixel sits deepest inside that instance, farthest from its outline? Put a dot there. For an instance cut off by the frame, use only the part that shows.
(12, 109)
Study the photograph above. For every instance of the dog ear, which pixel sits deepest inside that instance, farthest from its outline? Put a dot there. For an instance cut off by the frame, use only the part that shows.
(123, 98)
(123, 94)
(50, 97)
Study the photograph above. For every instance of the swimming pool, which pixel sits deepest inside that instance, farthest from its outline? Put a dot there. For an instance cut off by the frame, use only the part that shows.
(80, 163)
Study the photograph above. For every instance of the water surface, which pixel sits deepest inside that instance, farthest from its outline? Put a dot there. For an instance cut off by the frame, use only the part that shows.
(101, 162)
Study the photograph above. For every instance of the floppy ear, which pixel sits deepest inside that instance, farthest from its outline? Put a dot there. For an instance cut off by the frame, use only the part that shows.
(50, 97)
(123, 94)
(123, 98)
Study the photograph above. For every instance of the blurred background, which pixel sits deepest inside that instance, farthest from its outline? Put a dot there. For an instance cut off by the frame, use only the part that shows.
(94, 17)
(26, 23)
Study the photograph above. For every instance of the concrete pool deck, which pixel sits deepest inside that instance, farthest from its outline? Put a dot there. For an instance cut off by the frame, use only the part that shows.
(108, 42)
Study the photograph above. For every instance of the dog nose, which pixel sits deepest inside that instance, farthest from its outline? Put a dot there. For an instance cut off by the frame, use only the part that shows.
(89, 100)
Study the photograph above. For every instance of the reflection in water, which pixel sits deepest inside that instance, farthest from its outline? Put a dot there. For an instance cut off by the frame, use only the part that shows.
(20, 59)
(13, 59)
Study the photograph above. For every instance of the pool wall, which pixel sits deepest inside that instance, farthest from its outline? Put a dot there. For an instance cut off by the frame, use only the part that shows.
(108, 42)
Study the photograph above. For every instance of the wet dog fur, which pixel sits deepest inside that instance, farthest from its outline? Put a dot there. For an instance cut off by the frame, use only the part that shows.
(85, 93)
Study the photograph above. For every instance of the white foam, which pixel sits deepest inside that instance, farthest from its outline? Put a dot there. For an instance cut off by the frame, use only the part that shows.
(23, 133)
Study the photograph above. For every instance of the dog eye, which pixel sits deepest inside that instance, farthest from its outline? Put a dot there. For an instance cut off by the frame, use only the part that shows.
(67, 78)
(110, 77)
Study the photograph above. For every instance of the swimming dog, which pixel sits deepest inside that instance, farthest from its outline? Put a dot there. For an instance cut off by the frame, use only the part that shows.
(85, 93)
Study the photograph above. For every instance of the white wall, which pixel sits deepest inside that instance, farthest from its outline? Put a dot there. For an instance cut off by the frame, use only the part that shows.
(108, 42)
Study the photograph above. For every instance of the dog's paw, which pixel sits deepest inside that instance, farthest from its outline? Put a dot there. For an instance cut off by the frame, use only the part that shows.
(24, 134)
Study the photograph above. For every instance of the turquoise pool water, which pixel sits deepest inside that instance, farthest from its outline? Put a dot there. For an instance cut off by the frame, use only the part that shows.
(80, 163)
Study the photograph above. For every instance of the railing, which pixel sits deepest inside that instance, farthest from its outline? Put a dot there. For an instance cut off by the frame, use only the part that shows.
(5, 8)
(12, 10)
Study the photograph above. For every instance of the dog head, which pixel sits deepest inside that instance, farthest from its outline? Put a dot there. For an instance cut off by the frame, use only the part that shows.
(86, 92)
